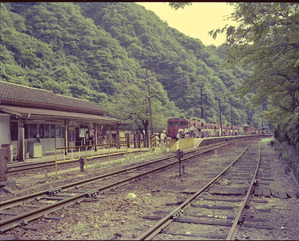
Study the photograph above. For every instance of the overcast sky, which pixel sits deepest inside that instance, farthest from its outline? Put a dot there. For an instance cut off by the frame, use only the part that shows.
(195, 20)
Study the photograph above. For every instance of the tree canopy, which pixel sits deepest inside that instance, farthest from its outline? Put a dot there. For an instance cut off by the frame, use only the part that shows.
(266, 42)
(96, 51)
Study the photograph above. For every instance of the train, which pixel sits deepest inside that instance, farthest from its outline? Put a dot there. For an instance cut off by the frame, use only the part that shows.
(185, 127)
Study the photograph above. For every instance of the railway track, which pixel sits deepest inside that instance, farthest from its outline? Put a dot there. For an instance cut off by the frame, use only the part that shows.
(21, 167)
(28, 166)
(20, 211)
(220, 204)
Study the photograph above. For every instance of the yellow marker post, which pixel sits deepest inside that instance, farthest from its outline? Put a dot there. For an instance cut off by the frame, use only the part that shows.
(64, 154)
(153, 142)
(56, 161)
(86, 155)
(109, 153)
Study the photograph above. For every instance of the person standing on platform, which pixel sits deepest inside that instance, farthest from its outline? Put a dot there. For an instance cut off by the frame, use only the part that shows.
(187, 131)
(180, 132)
(157, 140)
(192, 130)
(163, 138)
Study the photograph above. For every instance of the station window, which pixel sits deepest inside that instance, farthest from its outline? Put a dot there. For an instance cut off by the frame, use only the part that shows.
(52, 131)
(42, 131)
(26, 130)
(170, 123)
(47, 130)
(14, 131)
(58, 131)
(63, 132)
(32, 130)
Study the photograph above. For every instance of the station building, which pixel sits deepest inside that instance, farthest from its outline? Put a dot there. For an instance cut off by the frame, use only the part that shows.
(34, 122)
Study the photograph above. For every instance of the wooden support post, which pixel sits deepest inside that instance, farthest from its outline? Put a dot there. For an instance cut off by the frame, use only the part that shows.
(96, 135)
(21, 140)
(65, 136)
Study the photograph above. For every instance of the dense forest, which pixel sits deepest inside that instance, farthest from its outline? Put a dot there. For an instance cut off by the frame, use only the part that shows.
(102, 52)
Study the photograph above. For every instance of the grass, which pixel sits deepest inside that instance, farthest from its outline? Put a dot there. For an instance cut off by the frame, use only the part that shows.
(266, 140)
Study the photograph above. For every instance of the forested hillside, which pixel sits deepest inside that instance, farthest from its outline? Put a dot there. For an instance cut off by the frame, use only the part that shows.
(98, 51)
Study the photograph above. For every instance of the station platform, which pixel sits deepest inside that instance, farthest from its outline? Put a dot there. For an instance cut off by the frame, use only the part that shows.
(101, 152)
(76, 155)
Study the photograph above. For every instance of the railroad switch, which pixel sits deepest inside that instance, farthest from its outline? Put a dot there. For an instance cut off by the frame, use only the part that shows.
(180, 155)
(81, 162)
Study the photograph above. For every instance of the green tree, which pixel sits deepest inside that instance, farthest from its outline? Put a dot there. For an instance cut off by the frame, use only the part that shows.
(266, 40)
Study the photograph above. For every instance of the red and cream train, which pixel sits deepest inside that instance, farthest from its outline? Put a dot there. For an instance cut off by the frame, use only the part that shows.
(200, 128)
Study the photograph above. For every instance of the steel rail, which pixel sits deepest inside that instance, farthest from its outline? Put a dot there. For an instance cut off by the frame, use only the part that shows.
(37, 165)
(15, 201)
(236, 224)
(32, 166)
(12, 222)
(164, 222)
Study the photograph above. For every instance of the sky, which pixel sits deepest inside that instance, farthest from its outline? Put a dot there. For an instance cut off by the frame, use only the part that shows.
(195, 20)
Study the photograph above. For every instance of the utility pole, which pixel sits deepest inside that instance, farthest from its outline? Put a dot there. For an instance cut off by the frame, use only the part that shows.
(220, 118)
(201, 102)
(231, 119)
(149, 99)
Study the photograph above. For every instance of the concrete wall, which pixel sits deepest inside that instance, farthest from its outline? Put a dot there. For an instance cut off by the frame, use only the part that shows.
(4, 129)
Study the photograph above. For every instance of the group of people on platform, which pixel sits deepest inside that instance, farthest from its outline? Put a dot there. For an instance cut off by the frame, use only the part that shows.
(195, 132)
(163, 139)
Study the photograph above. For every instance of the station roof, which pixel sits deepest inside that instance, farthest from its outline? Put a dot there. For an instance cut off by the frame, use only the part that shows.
(41, 114)
(20, 95)
(38, 104)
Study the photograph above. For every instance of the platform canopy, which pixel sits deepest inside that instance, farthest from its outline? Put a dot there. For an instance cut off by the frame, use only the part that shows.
(46, 114)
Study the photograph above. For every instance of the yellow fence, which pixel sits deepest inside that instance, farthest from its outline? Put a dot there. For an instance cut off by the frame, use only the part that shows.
(74, 153)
